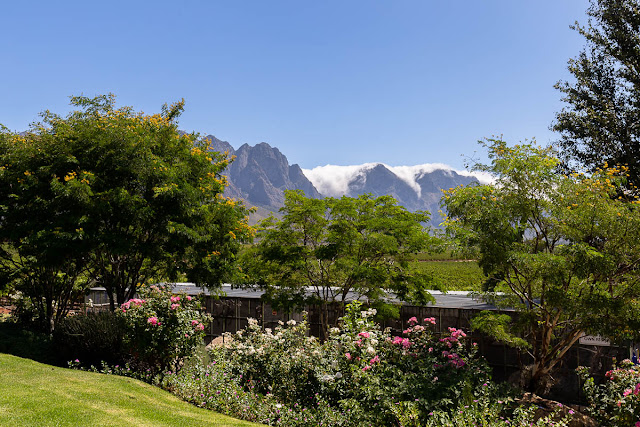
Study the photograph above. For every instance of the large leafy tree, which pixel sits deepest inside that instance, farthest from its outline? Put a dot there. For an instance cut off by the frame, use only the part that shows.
(322, 249)
(601, 121)
(42, 250)
(119, 197)
(563, 250)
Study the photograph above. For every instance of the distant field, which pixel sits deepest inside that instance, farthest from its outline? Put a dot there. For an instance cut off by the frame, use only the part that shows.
(443, 256)
(455, 275)
(34, 394)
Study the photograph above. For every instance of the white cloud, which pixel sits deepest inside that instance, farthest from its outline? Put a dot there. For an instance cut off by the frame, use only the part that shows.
(334, 180)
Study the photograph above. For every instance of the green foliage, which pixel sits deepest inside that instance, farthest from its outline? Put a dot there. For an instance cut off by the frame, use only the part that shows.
(324, 248)
(19, 341)
(360, 370)
(564, 249)
(91, 338)
(359, 376)
(111, 197)
(487, 412)
(598, 123)
(453, 275)
(161, 329)
(616, 401)
(498, 326)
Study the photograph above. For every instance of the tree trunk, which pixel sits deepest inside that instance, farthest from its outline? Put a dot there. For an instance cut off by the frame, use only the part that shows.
(324, 321)
(50, 315)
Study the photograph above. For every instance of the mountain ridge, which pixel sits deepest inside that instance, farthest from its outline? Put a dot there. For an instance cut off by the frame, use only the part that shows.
(260, 174)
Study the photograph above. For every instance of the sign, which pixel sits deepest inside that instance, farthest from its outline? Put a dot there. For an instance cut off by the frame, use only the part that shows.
(594, 340)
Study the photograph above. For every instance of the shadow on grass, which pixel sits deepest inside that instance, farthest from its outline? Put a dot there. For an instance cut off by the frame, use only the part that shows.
(21, 342)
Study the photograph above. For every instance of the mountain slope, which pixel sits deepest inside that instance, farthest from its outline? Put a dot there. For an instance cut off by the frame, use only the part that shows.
(260, 174)
(415, 187)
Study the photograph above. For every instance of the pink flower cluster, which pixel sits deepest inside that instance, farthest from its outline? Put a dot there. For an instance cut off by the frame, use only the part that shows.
(372, 362)
(456, 334)
(175, 298)
(416, 328)
(404, 342)
(135, 302)
(635, 391)
(153, 320)
(197, 325)
(454, 359)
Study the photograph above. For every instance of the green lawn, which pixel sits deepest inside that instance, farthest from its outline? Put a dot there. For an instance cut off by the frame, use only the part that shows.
(34, 394)
(454, 275)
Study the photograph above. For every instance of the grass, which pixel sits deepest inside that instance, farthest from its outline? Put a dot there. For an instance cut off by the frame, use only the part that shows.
(33, 394)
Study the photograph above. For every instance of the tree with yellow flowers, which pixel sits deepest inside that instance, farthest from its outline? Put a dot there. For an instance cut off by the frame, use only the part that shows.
(564, 250)
(111, 197)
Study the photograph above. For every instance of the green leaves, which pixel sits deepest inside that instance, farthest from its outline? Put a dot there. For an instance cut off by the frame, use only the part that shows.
(329, 247)
(498, 326)
(563, 249)
(597, 124)
(118, 197)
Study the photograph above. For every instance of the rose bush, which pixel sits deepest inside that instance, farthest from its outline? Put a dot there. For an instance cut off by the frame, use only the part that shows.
(616, 401)
(360, 370)
(162, 328)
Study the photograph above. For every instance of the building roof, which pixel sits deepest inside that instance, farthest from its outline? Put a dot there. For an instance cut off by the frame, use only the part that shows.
(453, 299)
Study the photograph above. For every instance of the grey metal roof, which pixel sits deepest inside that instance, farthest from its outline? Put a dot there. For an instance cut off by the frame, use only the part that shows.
(453, 299)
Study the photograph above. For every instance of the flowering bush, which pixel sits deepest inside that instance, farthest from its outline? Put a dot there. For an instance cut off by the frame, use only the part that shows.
(161, 328)
(281, 362)
(485, 412)
(402, 377)
(214, 386)
(615, 402)
(360, 370)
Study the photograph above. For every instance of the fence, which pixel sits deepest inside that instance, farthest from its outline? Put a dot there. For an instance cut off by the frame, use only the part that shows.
(455, 309)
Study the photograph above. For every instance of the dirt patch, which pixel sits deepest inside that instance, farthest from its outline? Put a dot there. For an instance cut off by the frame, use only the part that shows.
(219, 341)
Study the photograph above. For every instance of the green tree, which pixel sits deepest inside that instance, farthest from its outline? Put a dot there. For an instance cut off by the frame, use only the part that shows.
(111, 197)
(322, 249)
(600, 121)
(43, 253)
(562, 248)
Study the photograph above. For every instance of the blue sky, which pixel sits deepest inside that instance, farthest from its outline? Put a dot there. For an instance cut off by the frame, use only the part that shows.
(327, 82)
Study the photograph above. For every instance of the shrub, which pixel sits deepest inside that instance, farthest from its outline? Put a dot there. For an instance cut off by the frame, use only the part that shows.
(161, 328)
(281, 362)
(361, 369)
(616, 401)
(91, 338)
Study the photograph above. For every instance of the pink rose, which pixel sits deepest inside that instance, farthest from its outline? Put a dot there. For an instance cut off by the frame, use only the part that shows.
(153, 320)
(348, 356)
(364, 334)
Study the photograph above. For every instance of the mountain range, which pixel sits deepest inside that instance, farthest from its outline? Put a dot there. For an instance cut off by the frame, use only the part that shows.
(260, 174)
